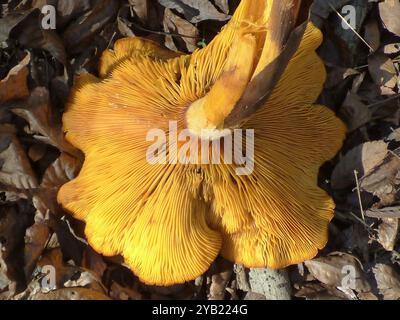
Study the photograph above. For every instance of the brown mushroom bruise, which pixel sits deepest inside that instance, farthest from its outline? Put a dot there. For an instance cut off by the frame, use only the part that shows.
(170, 221)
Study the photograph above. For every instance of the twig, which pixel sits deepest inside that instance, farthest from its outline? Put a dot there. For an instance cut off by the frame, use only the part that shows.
(359, 194)
(377, 104)
(394, 154)
(350, 26)
(164, 33)
(63, 218)
(112, 38)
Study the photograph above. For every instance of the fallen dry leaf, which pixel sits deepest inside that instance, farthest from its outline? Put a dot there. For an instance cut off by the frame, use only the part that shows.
(94, 261)
(362, 88)
(362, 159)
(355, 112)
(36, 238)
(318, 291)
(388, 281)
(395, 135)
(14, 219)
(79, 34)
(382, 70)
(223, 5)
(119, 292)
(66, 10)
(390, 12)
(388, 231)
(219, 276)
(389, 212)
(70, 294)
(80, 277)
(384, 180)
(15, 168)
(141, 8)
(242, 279)
(43, 124)
(15, 86)
(372, 33)
(333, 271)
(9, 22)
(64, 169)
(176, 25)
(195, 11)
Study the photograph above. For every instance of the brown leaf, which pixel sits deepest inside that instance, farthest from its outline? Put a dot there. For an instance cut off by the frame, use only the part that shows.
(372, 33)
(54, 258)
(94, 261)
(37, 151)
(36, 238)
(252, 296)
(15, 168)
(141, 8)
(15, 86)
(195, 11)
(124, 28)
(319, 291)
(355, 112)
(31, 35)
(223, 5)
(66, 10)
(219, 275)
(337, 75)
(382, 70)
(69, 10)
(70, 294)
(362, 158)
(395, 135)
(384, 180)
(333, 271)
(388, 281)
(64, 169)
(391, 48)
(242, 281)
(9, 22)
(43, 124)
(83, 30)
(69, 275)
(389, 212)
(80, 277)
(177, 25)
(387, 233)
(14, 219)
(119, 292)
(7, 285)
(390, 13)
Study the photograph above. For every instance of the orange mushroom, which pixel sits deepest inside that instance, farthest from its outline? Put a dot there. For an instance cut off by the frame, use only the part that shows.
(170, 221)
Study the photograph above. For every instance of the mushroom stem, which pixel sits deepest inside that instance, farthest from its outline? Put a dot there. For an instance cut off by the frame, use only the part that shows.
(210, 111)
(250, 51)
(281, 23)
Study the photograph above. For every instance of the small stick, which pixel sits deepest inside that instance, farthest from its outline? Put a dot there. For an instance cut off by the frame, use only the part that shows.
(352, 29)
(359, 194)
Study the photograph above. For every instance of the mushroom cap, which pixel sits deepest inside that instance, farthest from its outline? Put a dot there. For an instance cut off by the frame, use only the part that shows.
(170, 221)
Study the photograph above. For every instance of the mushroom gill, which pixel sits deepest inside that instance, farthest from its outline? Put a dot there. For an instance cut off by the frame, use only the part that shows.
(170, 221)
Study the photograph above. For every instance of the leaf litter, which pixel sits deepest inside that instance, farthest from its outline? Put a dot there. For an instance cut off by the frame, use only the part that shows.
(37, 69)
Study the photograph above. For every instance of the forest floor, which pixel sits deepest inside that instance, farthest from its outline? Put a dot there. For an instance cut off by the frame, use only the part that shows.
(37, 68)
